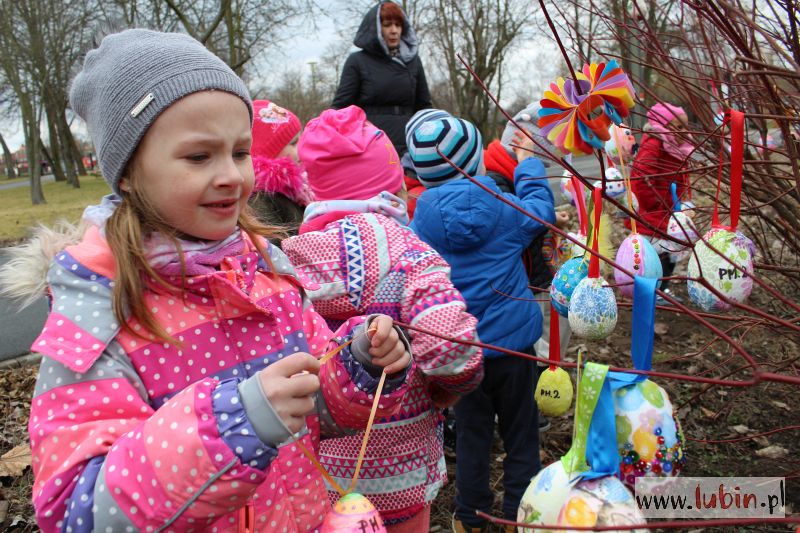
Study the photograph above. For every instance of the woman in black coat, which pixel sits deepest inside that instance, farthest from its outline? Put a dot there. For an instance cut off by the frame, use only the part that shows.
(385, 78)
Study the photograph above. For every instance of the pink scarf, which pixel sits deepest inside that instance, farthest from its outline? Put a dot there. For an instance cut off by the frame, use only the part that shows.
(200, 257)
(675, 146)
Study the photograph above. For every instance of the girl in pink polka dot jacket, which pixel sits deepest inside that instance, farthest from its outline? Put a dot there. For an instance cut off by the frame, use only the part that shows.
(181, 352)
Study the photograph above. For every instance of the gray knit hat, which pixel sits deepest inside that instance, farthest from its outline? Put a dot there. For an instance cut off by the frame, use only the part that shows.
(131, 78)
(527, 119)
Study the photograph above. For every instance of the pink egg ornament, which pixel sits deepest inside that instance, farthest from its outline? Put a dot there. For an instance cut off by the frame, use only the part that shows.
(353, 513)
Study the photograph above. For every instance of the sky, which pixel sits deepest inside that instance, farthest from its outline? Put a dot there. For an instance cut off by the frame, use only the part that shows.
(525, 62)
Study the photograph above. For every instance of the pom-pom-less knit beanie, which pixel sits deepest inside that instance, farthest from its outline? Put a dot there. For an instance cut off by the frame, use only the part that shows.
(131, 78)
(459, 140)
(347, 157)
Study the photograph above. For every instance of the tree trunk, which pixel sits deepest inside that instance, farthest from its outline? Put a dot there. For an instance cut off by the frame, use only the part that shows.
(32, 140)
(69, 142)
(53, 156)
(7, 159)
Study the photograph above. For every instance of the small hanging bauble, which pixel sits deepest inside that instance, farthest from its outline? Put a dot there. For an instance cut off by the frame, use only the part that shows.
(615, 184)
(649, 435)
(636, 255)
(554, 497)
(680, 226)
(593, 309)
(622, 142)
(554, 391)
(564, 282)
(353, 513)
(719, 271)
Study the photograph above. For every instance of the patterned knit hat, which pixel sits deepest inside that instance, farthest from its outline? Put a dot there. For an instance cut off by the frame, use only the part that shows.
(423, 115)
(527, 119)
(457, 139)
(131, 78)
(273, 128)
(347, 157)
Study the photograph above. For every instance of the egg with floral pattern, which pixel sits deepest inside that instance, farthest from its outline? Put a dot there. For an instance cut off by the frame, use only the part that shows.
(649, 437)
(564, 282)
(353, 513)
(555, 497)
(637, 255)
(593, 309)
(719, 271)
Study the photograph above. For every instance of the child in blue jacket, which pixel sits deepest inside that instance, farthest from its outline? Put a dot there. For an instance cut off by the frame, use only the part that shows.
(483, 239)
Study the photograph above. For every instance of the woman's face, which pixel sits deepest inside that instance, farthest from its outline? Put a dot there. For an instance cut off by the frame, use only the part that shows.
(391, 30)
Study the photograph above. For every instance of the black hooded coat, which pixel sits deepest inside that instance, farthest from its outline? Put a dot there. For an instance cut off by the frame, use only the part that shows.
(389, 89)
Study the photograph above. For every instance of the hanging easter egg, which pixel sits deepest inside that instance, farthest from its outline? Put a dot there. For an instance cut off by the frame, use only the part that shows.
(680, 226)
(573, 249)
(637, 255)
(615, 184)
(649, 436)
(622, 142)
(719, 272)
(554, 391)
(593, 309)
(556, 498)
(353, 513)
(564, 282)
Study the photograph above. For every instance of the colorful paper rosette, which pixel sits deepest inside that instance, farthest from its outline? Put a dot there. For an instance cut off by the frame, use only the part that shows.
(575, 116)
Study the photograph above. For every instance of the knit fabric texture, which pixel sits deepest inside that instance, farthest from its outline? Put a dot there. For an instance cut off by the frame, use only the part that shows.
(274, 127)
(347, 157)
(131, 78)
(458, 140)
(420, 117)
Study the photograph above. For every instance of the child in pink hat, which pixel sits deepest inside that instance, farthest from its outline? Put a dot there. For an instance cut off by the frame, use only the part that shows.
(355, 244)
(281, 190)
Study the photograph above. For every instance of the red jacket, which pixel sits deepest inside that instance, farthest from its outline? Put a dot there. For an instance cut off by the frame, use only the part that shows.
(651, 186)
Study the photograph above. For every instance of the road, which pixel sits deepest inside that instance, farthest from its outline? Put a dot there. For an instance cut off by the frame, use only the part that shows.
(25, 183)
(18, 329)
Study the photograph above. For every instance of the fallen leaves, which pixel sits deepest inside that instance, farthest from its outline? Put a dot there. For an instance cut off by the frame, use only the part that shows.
(14, 462)
(772, 452)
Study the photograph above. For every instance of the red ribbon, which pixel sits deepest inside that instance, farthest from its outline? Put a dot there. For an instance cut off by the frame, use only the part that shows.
(555, 338)
(736, 120)
(577, 193)
(594, 262)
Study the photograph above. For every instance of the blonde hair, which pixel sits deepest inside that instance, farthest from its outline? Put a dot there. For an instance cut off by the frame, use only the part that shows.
(131, 223)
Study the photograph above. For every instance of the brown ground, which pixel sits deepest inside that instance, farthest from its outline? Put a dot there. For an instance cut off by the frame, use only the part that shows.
(716, 413)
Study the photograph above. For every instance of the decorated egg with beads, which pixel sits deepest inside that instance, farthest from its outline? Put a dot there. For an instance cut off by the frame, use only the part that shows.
(564, 282)
(555, 497)
(622, 142)
(636, 255)
(353, 513)
(649, 436)
(554, 391)
(593, 309)
(719, 272)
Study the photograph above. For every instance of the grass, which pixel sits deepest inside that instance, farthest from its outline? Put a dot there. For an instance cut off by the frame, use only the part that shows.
(18, 215)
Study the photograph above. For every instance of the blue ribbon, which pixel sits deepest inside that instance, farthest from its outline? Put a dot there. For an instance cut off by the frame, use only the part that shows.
(676, 204)
(601, 444)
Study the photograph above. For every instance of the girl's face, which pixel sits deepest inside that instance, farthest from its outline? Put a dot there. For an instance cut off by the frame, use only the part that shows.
(290, 150)
(391, 30)
(194, 164)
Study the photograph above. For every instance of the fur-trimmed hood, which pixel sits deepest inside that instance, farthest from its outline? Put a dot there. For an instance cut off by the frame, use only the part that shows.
(23, 278)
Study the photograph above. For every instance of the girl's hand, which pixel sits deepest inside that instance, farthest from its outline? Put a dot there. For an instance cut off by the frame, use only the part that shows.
(290, 385)
(386, 348)
(523, 146)
(562, 219)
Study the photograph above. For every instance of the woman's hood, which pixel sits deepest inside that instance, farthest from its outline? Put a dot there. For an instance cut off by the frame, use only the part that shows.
(369, 38)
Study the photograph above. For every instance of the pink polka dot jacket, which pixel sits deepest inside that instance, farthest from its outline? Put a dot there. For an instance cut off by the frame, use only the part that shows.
(368, 263)
(130, 434)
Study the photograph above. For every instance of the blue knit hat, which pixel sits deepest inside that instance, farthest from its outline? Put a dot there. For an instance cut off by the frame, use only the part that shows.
(457, 139)
(420, 117)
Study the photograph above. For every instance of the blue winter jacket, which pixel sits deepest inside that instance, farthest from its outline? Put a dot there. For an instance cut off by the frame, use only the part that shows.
(483, 239)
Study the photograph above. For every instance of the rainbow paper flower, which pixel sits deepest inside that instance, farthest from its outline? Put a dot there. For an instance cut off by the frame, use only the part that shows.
(577, 121)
